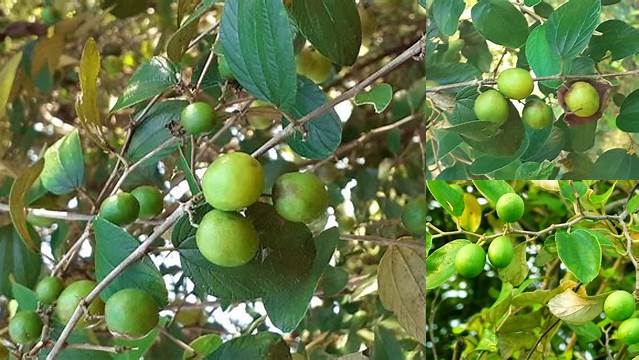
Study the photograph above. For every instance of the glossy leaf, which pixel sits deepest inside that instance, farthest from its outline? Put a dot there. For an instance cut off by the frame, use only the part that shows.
(150, 79)
(287, 308)
(485, 15)
(257, 42)
(446, 15)
(569, 28)
(16, 260)
(493, 190)
(63, 169)
(628, 118)
(264, 345)
(112, 245)
(440, 265)
(379, 96)
(17, 204)
(541, 58)
(581, 253)
(621, 39)
(324, 133)
(450, 198)
(318, 20)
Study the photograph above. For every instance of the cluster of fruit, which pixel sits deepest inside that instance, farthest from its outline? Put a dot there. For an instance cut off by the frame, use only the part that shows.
(144, 202)
(581, 99)
(620, 306)
(471, 258)
(235, 181)
(129, 313)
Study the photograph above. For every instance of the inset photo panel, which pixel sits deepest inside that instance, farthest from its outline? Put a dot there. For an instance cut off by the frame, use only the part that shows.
(539, 269)
(532, 89)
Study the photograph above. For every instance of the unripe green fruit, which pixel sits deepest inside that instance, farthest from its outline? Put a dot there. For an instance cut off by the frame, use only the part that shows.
(500, 252)
(120, 209)
(628, 331)
(48, 289)
(313, 65)
(150, 200)
(537, 114)
(300, 197)
(470, 260)
(197, 118)
(510, 207)
(515, 83)
(226, 238)
(233, 181)
(582, 99)
(70, 298)
(414, 215)
(223, 68)
(258, 121)
(25, 327)
(491, 106)
(131, 313)
(619, 305)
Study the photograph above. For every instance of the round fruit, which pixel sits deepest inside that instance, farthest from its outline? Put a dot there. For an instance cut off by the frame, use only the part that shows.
(537, 114)
(414, 215)
(223, 68)
(25, 327)
(582, 99)
(131, 313)
(510, 207)
(226, 238)
(197, 118)
(515, 83)
(491, 106)
(48, 289)
(259, 121)
(120, 209)
(70, 298)
(150, 200)
(313, 65)
(233, 181)
(619, 305)
(500, 252)
(299, 197)
(470, 260)
(628, 331)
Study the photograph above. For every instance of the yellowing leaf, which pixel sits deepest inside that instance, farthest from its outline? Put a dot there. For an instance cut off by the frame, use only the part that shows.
(402, 288)
(47, 52)
(17, 207)
(89, 70)
(7, 75)
(471, 217)
(576, 309)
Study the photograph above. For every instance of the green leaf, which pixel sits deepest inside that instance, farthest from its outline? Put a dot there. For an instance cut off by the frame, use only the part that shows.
(26, 298)
(286, 258)
(288, 307)
(264, 345)
(508, 141)
(401, 288)
(379, 96)
(318, 20)
(446, 13)
(580, 252)
(64, 165)
(569, 28)
(628, 118)
(184, 166)
(450, 198)
(112, 245)
(440, 265)
(203, 345)
(517, 271)
(588, 332)
(493, 189)
(16, 260)
(87, 103)
(140, 346)
(257, 42)
(621, 39)
(7, 75)
(153, 131)
(333, 280)
(616, 164)
(541, 58)
(489, 17)
(386, 345)
(17, 204)
(322, 134)
(150, 79)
